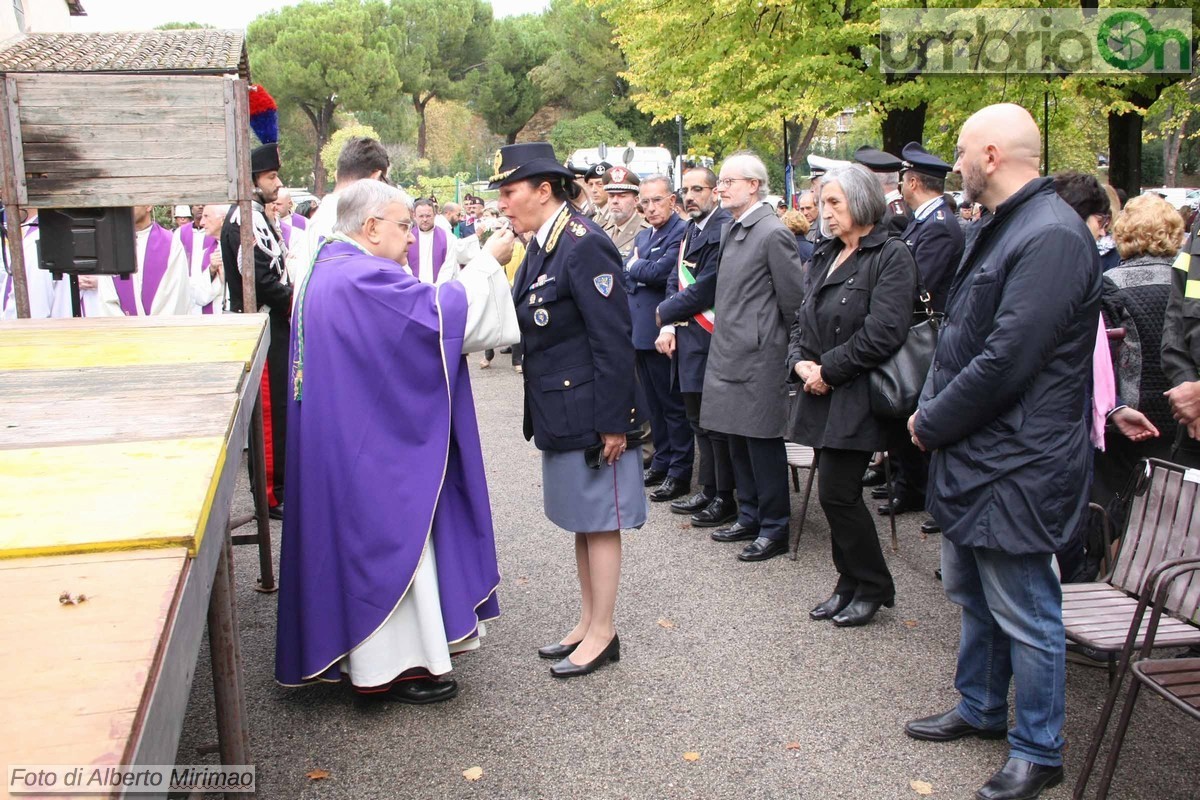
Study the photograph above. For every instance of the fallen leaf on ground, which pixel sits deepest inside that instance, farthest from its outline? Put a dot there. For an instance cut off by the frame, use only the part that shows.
(921, 787)
(317, 774)
(684, 526)
(793, 745)
(522, 581)
(910, 623)
(473, 774)
(663, 622)
(691, 756)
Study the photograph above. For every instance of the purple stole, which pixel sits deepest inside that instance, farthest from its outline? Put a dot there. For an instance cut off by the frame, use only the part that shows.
(8, 278)
(154, 266)
(186, 235)
(287, 224)
(439, 253)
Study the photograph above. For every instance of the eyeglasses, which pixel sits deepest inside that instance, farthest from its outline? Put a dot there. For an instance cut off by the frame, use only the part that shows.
(725, 183)
(404, 227)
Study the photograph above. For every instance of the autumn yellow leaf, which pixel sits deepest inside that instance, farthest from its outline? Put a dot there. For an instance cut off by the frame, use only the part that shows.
(473, 774)
(910, 623)
(793, 745)
(921, 787)
(663, 622)
(317, 774)
(692, 756)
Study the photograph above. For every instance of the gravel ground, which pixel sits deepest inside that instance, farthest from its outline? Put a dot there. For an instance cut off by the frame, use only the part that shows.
(719, 659)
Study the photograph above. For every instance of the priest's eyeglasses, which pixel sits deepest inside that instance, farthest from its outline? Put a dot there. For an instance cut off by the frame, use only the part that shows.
(405, 227)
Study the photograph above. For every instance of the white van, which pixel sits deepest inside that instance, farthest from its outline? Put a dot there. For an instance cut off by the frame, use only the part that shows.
(645, 161)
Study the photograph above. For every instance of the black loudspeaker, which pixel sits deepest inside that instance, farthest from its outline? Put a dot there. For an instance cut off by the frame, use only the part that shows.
(87, 241)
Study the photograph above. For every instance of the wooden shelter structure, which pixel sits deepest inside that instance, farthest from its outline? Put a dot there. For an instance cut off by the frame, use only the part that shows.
(121, 119)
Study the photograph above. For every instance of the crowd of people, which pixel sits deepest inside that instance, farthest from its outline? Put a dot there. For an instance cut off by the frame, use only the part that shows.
(672, 340)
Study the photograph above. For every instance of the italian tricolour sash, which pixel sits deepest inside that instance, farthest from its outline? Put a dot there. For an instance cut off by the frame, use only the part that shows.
(704, 319)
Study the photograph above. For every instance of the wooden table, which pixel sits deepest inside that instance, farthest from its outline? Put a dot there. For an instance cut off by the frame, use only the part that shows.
(120, 442)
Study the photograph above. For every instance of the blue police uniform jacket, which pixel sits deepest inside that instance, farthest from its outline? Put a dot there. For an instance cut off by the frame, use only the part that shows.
(680, 306)
(576, 335)
(655, 257)
(936, 241)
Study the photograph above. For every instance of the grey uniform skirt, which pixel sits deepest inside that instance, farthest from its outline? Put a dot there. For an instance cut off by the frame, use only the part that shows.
(585, 500)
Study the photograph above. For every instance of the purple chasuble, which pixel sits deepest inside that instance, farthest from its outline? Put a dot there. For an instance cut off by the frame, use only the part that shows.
(383, 452)
(288, 224)
(439, 253)
(8, 278)
(186, 237)
(154, 266)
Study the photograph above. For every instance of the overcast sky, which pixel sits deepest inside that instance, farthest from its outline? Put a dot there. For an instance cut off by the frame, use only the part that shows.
(131, 15)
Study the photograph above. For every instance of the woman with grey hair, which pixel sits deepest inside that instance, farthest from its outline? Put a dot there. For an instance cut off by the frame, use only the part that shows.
(855, 317)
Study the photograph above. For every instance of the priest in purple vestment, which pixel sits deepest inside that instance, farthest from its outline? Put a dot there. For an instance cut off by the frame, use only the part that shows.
(388, 563)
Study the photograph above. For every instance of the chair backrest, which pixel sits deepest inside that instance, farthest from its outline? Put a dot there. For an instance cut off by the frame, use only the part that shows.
(1164, 523)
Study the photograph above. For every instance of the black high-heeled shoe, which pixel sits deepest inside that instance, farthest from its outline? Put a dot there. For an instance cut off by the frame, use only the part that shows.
(859, 612)
(566, 669)
(557, 651)
(831, 607)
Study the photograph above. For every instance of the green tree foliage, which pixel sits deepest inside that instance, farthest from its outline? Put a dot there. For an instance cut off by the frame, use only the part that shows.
(505, 95)
(435, 45)
(183, 26)
(583, 71)
(320, 57)
(586, 130)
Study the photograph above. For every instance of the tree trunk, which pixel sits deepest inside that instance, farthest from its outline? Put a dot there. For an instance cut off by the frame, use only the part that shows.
(320, 120)
(901, 126)
(801, 137)
(511, 138)
(1171, 144)
(419, 105)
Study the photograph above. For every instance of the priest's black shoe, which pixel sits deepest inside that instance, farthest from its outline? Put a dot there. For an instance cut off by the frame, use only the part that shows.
(417, 692)
(948, 726)
(879, 493)
(717, 513)
(831, 607)
(690, 505)
(653, 477)
(669, 489)
(565, 669)
(275, 512)
(900, 505)
(1019, 779)
(557, 652)
(873, 476)
(859, 612)
(737, 532)
(930, 526)
(763, 548)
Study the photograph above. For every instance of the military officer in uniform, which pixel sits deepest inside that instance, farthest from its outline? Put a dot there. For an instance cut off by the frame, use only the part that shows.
(593, 179)
(936, 240)
(623, 222)
(887, 170)
(579, 388)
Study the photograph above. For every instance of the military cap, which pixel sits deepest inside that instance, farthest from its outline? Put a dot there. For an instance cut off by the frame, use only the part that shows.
(620, 179)
(264, 158)
(877, 160)
(516, 162)
(597, 170)
(918, 159)
(819, 165)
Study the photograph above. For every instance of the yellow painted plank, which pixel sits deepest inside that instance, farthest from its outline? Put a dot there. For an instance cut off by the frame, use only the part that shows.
(103, 497)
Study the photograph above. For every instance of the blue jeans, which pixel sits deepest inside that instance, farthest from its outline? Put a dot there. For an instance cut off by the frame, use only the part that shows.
(1012, 630)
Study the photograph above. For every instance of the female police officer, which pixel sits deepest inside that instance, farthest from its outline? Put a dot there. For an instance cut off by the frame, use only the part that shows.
(579, 388)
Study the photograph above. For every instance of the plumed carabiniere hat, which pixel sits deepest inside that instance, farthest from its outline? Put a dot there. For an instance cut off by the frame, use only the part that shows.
(516, 162)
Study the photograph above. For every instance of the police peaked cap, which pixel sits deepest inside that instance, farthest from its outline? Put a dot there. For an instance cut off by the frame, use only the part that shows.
(918, 159)
(819, 165)
(516, 162)
(877, 160)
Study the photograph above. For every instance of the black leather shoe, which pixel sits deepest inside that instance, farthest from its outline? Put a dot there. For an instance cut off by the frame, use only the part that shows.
(653, 477)
(417, 692)
(937, 573)
(669, 489)
(900, 505)
(275, 512)
(831, 607)
(690, 505)
(873, 477)
(565, 669)
(763, 548)
(948, 726)
(859, 612)
(557, 651)
(716, 514)
(1019, 779)
(737, 532)
(879, 493)
(930, 526)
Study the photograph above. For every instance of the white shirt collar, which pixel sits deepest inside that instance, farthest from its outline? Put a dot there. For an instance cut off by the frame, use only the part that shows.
(753, 206)
(928, 207)
(543, 232)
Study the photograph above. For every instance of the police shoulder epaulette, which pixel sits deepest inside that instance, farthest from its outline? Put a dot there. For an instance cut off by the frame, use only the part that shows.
(556, 231)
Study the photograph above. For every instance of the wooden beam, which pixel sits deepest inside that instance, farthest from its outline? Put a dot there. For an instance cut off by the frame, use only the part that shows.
(245, 193)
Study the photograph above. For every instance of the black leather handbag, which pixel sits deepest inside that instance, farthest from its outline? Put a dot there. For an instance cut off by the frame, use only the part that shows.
(895, 385)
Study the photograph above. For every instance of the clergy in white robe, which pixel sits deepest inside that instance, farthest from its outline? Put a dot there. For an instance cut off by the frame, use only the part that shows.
(160, 286)
(433, 255)
(388, 563)
(42, 286)
(206, 271)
